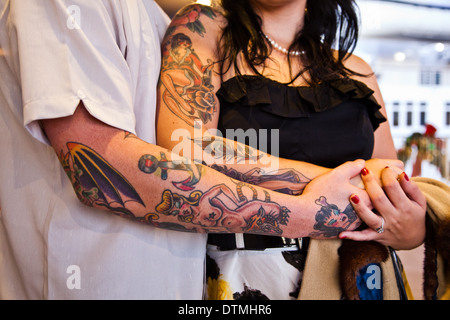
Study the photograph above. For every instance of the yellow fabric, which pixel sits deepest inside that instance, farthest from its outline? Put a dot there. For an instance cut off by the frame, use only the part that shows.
(408, 290)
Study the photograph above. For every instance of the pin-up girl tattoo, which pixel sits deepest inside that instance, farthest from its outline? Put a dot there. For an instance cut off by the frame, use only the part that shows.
(186, 83)
(220, 207)
(330, 220)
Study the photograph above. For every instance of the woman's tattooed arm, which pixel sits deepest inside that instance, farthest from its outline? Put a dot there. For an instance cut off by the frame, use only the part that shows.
(241, 163)
(185, 84)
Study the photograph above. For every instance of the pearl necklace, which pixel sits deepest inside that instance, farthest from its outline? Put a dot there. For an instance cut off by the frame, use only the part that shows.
(280, 48)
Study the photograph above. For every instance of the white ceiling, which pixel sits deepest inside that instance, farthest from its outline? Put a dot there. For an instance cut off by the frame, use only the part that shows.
(430, 3)
(390, 27)
(393, 19)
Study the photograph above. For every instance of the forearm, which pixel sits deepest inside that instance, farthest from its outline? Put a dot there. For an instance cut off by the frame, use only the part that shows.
(244, 163)
(116, 171)
(179, 194)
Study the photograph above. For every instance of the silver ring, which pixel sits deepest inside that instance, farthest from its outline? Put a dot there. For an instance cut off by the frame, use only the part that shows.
(381, 228)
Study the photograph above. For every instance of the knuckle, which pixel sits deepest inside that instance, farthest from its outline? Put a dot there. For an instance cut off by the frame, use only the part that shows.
(399, 164)
(390, 185)
(378, 198)
(395, 225)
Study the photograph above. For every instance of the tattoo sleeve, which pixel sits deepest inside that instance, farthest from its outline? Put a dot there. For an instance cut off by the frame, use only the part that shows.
(186, 90)
(185, 81)
(285, 180)
(184, 207)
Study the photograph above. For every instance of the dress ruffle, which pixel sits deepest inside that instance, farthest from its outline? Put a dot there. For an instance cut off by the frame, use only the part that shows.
(298, 101)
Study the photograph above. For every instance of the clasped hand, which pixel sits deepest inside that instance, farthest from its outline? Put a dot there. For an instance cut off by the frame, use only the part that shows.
(397, 215)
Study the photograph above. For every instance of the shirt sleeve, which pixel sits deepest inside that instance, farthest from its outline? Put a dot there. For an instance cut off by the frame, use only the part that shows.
(72, 51)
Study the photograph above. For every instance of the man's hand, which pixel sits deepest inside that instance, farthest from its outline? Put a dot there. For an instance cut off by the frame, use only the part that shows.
(332, 214)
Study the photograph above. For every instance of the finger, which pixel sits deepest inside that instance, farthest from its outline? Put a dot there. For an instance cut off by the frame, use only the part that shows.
(397, 170)
(350, 169)
(371, 219)
(376, 193)
(412, 190)
(392, 188)
(398, 164)
(395, 164)
(363, 235)
(357, 182)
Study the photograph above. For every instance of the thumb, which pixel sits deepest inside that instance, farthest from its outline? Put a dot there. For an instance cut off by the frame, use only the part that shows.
(351, 170)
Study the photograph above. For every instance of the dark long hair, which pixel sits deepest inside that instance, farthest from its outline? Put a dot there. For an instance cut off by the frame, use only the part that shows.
(328, 24)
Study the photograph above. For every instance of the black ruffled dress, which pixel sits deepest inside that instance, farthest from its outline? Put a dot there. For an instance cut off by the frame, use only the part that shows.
(325, 125)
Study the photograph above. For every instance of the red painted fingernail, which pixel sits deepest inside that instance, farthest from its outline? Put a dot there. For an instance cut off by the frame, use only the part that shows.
(355, 199)
(406, 176)
(364, 172)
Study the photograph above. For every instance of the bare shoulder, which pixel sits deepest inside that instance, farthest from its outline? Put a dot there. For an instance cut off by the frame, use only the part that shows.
(365, 74)
(357, 64)
(384, 146)
(364, 71)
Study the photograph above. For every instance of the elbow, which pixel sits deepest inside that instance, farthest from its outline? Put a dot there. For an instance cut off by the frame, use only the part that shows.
(86, 197)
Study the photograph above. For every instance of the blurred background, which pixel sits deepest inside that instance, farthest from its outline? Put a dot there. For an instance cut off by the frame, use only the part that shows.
(407, 43)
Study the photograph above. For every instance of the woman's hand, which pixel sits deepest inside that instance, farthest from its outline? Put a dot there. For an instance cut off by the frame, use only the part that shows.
(376, 166)
(398, 220)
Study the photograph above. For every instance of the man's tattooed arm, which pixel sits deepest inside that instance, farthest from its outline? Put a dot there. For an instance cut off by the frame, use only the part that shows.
(184, 207)
(330, 220)
(143, 182)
